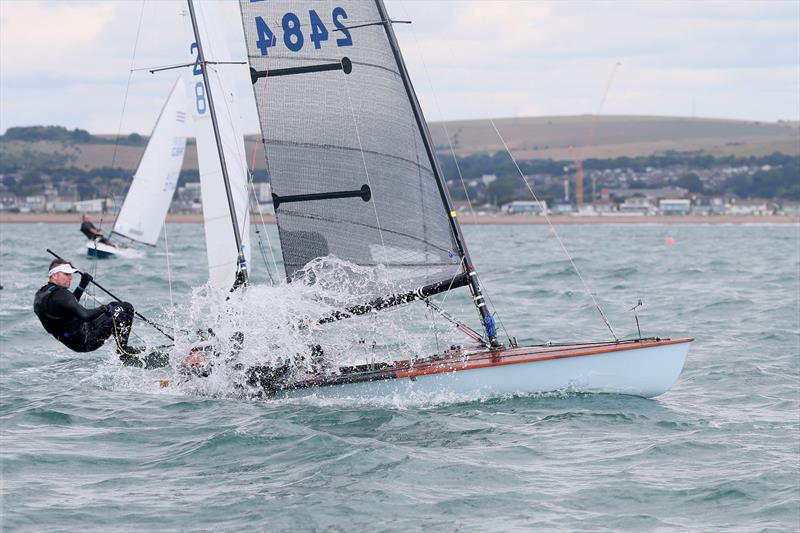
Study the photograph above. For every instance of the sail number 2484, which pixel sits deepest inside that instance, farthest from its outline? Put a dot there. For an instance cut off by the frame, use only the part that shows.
(293, 36)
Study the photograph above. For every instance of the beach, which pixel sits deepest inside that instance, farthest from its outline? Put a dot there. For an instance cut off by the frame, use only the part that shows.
(197, 218)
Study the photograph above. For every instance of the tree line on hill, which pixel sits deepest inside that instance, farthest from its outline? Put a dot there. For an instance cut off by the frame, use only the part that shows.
(27, 172)
(63, 135)
(776, 176)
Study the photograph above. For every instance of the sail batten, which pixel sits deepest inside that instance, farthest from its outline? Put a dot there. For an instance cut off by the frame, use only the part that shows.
(331, 131)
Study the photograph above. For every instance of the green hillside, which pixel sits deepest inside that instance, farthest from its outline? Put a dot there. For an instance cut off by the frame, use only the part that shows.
(600, 137)
(603, 137)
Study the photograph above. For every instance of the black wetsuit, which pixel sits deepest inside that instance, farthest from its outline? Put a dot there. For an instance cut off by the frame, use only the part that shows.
(88, 229)
(78, 328)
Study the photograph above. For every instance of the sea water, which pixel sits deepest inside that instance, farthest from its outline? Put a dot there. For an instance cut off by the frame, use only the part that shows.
(88, 445)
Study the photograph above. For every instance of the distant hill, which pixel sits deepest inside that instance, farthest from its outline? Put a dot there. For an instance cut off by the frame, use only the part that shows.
(599, 137)
(603, 137)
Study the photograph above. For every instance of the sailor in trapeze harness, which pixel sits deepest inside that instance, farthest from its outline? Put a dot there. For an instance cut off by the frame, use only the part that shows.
(92, 233)
(76, 327)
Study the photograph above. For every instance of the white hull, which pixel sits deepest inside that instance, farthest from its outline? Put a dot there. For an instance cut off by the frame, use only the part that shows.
(102, 251)
(647, 370)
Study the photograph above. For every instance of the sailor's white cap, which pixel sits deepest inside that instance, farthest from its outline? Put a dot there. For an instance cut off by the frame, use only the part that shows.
(66, 268)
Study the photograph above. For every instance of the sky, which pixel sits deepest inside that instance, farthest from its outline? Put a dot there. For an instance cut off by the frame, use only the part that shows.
(69, 63)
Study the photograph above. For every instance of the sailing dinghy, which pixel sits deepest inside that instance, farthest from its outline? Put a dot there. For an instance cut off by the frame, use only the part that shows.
(354, 176)
(145, 207)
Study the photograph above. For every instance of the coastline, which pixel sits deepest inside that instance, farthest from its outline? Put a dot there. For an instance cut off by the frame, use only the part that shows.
(196, 218)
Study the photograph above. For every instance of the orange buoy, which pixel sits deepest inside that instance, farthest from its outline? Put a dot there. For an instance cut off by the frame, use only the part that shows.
(669, 240)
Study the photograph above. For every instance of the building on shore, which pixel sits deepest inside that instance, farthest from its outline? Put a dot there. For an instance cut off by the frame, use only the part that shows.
(673, 207)
(636, 205)
(525, 207)
(749, 208)
(667, 193)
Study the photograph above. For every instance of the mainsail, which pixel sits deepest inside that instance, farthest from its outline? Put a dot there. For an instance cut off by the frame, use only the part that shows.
(223, 256)
(147, 202)
(350, 172)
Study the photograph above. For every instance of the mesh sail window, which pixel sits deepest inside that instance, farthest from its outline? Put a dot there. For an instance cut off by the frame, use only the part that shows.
(328, 131)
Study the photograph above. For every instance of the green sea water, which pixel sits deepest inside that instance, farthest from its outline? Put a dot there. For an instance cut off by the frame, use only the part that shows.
(86, 445)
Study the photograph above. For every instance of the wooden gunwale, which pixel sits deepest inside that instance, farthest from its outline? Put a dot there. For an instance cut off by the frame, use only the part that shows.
(461, 360)
(525, 355)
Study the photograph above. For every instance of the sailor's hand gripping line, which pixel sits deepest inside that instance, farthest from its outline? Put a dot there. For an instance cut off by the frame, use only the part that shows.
(138, 314)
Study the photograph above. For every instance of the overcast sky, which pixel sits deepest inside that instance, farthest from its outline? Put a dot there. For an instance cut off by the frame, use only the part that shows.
(67, 62)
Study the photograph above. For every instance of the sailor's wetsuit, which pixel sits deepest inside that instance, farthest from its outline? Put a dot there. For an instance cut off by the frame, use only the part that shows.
(78, 328)
(91, 232)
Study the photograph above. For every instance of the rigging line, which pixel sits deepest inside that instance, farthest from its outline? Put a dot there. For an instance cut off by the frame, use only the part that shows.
(455, 160)
(452, 280)
(460, 326)
(243, 157)
(444, 299)
(364, 161)
(128, 85)
(258, 233)
(250, 174)
(590, 136)
(596, 118)
(263, 223)
(262, 139)
(169, 274)
(377, 23)
(558, 237)
(435, 331)
(125, 99)
(153, 70)
(446, 294)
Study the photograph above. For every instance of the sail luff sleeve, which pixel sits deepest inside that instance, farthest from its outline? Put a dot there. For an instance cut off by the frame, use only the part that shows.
(328, 131)
(224, 80)
(220, 150)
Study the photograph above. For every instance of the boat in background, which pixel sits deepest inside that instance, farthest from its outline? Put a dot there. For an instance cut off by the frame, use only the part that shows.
(355, 176)
(147, 202)
(101, 250)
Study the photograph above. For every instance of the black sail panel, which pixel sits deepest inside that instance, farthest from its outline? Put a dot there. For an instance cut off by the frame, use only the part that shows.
(330, 131)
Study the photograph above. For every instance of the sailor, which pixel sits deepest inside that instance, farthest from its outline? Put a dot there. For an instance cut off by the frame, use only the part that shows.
(78, 328)
(91, 231)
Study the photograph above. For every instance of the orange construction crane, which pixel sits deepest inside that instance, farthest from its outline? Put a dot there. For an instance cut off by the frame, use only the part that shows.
(576, 157)
(578, 177)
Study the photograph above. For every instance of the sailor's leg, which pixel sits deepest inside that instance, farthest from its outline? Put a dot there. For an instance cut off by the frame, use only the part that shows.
(121, 321)
(91, 335)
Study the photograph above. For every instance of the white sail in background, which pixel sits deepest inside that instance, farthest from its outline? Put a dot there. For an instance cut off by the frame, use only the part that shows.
(220, 241)
(147, 202)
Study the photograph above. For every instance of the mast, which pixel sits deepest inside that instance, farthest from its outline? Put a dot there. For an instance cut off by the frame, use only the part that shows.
(241, 274)
(477, 294)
